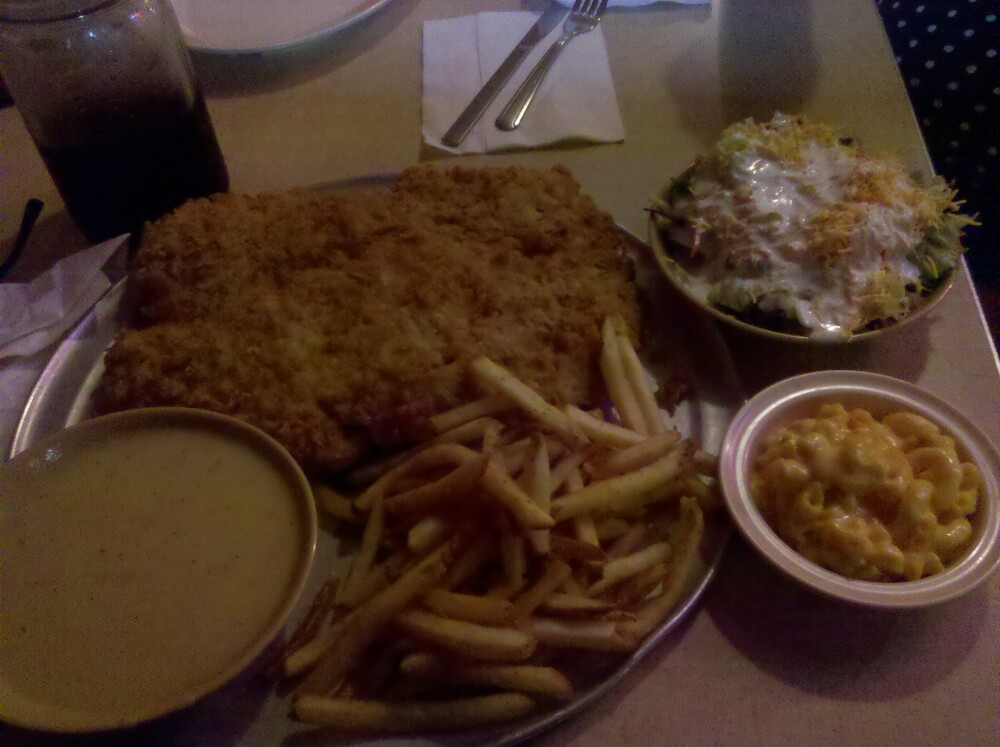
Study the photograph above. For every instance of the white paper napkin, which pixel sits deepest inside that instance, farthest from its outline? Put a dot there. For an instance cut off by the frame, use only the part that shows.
(34, 315)
(18, 376)
(576, 101)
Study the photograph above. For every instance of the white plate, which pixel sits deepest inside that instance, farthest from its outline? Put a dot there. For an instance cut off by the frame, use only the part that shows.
(240, 26)
(63, 393)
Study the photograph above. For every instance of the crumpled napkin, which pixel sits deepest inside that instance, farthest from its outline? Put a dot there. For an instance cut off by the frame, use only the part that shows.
(33, 315)
(576, 101)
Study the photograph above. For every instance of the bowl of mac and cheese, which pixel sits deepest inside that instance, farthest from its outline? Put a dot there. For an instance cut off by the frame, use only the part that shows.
(865, 488)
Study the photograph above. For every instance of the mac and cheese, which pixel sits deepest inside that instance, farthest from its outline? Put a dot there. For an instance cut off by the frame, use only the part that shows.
(877, 500)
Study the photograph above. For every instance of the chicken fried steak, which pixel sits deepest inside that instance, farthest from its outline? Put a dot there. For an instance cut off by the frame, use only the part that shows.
(339, 322)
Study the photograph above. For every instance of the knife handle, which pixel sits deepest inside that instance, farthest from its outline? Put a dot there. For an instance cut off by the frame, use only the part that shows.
(514, 112)
(468, 118)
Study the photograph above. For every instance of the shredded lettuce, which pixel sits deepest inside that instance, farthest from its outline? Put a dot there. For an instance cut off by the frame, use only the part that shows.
(786, 219)
(937, 254)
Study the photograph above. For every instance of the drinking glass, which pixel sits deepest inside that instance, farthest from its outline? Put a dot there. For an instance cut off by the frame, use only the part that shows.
(108, 93)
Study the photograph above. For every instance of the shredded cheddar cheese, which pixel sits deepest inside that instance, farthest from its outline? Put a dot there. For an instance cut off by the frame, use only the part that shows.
(790, 222)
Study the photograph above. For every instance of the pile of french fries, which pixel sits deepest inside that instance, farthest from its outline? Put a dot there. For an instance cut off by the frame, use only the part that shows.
(518, 532)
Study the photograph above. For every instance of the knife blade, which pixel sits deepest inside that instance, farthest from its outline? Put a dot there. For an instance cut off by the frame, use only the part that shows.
(468, 118)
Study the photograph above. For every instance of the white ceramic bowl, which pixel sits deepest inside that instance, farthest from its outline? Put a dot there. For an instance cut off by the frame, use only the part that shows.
(148, 557)
(800, 397)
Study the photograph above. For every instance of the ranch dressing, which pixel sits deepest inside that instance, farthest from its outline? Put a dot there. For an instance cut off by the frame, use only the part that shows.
(812, 229)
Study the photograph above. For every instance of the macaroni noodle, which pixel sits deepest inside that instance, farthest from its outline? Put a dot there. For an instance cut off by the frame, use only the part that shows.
(877, 500)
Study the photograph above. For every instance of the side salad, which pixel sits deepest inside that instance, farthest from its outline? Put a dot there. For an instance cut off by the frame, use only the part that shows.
(793, 229)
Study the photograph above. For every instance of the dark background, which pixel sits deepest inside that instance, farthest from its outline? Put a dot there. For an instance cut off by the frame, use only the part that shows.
(947, 52)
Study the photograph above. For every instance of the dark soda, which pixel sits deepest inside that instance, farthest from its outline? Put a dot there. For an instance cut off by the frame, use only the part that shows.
(120, 165)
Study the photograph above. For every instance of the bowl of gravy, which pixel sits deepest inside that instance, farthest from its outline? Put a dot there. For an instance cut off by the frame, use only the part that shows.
(148, 557)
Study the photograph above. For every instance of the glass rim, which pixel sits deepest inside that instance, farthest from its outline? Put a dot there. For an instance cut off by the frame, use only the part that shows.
(49, 11)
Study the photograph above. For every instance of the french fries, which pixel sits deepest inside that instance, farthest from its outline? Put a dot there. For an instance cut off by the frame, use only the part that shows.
(335, 504)
(453, 486)
(639, 384)
(364, 558)
(536, 479)
(619, 386)
(616, 571)
(401, 718)
(499, 380)
(623, 492)
(487, 548)
(574, 605)
(479, 642)
(365, 622)
(480, 408)
(601, 431)
(526, 678)
(638, 456)
(499, 484)
(551, 579)
(470, 607)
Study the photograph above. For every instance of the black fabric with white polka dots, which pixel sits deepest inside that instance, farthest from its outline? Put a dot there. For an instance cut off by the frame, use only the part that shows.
(947, 51)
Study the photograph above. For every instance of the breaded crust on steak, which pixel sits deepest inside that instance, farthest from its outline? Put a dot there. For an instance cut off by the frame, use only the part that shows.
(338, 323)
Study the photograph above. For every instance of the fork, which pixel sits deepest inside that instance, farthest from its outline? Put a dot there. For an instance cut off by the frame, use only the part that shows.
(584, 17)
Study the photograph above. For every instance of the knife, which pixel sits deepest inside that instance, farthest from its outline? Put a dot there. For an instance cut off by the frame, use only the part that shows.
(545, 23)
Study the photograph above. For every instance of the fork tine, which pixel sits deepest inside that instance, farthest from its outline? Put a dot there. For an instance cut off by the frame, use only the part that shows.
(584, 17)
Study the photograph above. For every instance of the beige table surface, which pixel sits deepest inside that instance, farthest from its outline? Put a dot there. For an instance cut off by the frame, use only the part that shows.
(761, 661)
